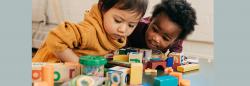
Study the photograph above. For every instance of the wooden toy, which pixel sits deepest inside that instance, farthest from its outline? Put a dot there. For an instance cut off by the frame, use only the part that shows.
(168, 70)
(170, 61)
(178, 57)
(188, 67)
(37, 71)
(122, 58)
(150, 71)
(62, 71)
(74, 69)
(118, 63)
(154, 64)
(135, 57)
(136, 73)
(117, 76)
(48, 74)
(185, 82)
(85, 81)
(178, 75)
(175, 65)
(40, 83)
(147, 54)
(165, 81)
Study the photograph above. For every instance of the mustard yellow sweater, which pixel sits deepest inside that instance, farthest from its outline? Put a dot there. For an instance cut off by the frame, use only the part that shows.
(85, 38)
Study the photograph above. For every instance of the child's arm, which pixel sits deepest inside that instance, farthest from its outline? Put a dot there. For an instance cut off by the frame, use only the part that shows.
(62, 39)
(67, 55)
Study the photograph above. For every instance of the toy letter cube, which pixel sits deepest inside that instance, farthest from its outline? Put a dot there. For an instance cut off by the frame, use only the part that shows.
(117, 76)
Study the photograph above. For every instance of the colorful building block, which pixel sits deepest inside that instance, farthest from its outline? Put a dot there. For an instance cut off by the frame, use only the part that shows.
(73, 69)
(37, 71)
(170, 61)
(48, 74)
(40, 83)
(168, 70)
(165, 81)
(117, 76)
(150, 71)
(85, 81)
(62, 71)
(188, 67)
(154, 64)
(175, 66)
(185, 82)
(122, 58)
(178, 57)
(135, 57)
(178, 75)
(147, 54)
(136, 73)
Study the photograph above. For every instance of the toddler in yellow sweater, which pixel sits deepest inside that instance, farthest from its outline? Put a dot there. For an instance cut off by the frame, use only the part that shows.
(104, 29)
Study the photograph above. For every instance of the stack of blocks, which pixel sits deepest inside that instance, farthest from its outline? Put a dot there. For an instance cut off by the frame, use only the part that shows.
(61, 72)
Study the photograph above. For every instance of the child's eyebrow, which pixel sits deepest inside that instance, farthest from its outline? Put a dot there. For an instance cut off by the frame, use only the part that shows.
(116, 16)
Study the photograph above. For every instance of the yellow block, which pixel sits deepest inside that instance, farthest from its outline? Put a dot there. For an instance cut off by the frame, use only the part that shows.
(136, 72)
(122, 58)
(188, 67)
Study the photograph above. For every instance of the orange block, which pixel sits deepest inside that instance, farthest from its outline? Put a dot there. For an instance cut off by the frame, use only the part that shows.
(185, 82)
(40, 83)
(178, 75)
(168, 70)
(48, 74)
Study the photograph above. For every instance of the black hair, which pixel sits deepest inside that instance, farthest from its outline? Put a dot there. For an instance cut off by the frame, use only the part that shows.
(180, 12)
(137, 6)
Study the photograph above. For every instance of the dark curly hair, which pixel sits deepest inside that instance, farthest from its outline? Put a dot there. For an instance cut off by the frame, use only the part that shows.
(180, 12)
(137, 6)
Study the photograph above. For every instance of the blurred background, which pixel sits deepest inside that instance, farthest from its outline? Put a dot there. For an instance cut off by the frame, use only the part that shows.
(47, 14)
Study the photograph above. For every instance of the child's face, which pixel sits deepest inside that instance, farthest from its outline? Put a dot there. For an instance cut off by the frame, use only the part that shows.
(119, 23)
(161, 33)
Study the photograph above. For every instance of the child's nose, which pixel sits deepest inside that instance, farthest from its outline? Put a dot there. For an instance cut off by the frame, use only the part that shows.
(156, 38)
(122, 29)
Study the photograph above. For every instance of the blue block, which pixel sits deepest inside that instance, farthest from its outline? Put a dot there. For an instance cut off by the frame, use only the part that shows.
(170, 61)
(165, 81)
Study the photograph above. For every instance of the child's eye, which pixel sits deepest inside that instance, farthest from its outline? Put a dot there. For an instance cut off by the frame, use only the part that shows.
(165, 38)
(131, 26)
(117, 21)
